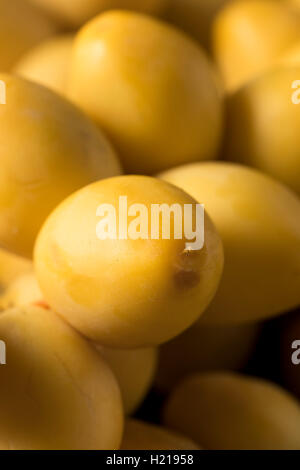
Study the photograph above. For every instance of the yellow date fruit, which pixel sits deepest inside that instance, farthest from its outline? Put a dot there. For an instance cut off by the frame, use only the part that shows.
(49, 149)
(249, 35)
(205, 348)
(127, 284)
(263, 125)
(167, 107)
(56, 392)
(22, 26)
(48, 63)
(258, 220)
(134, 370)
(227, 411)
(77, 12)
(139, 435)
(11, 267)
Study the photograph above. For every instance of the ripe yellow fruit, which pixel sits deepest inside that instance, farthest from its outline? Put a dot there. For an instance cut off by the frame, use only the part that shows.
(77, 12)
(205, 348)
(259, 222)
(263, 125)
(291, 56)
(134, 370)
(249, 35)
(56, 392)
(195, 17)
(227, 411)
(290, 353)
(11, 267)
(21, 291)
(167, 107)
(139, 435)
(48, 63)
(21, 27)
(49, 149)
(123, 292)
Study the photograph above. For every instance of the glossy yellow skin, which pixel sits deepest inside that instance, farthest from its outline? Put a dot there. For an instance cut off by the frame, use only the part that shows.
(263, 125)
(77, 12)
(48, 63)
(139, 435)
(259, 222)
(22, 291)
(11, 267)
(125, 293)
(195, 17)
(227, 411)
(167, 107)
(134, 370)
(205, 348)
(249, 35)
(288, 354)
(291, 56)
(21, 27)
(56, 392)
(48, 150)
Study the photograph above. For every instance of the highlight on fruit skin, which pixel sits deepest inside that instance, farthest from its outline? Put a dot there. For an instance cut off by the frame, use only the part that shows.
(77, 12)
(23, 290)
(258, 219)
(67, 152)
(205, 348)
(291, 56)
(168, 108)
(250, 35)
(56, 392)
(255, 135)
(48, 63)
(134, 370)
(227, 411)
(22, 26)
(11, 267)
(137, 298)
(139, 435)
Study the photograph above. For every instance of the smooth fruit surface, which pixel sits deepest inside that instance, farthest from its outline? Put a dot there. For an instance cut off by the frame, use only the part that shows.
(77, 12)
(139, 435)
(11, 267)
(56, 392)
(23, 290)
(258, 220)
(205, 348)
(249, 35)
(125, 293)
(48, 63)
(228, 411)
(21, 27)
(49, 149)
(167, 107)
(134, 370)
(263, 125)
(291, 56)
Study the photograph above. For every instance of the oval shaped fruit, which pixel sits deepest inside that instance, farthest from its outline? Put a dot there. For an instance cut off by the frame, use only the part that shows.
(21, 291)
(11, 267)
(77, 12)
(227, 411)
(22, 26)
(167, 107)
(290, 353)
(126, 285)
(249, 35)
(56, 392)
(263, 125)
(195, 17)
(48, 150)
(205, 348)
(139, 435)
(258, 220)
(134, 370)
(48, 63)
